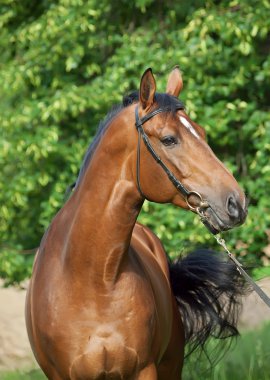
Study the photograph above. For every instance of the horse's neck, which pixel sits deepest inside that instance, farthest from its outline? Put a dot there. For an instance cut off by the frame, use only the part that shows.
(106, 207)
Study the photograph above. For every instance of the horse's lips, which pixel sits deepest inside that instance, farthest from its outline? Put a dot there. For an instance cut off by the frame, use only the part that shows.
(213, 223)
(210, 227)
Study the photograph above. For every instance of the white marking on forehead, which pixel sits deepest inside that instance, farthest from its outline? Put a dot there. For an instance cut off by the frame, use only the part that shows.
(187, 124)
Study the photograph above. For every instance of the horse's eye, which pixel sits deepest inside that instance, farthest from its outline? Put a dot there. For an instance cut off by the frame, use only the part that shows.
(169, 141)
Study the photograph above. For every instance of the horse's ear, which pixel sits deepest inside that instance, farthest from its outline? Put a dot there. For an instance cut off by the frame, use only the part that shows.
(147, 89)
(175, 82)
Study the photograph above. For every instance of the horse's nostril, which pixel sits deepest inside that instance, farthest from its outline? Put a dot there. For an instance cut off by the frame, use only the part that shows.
(232, 207)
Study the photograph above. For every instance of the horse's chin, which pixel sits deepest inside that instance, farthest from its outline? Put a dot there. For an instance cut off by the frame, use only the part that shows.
(210, 227)
(214, 223)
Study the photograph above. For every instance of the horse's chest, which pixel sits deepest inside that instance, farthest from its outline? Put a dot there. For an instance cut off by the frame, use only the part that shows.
(113, 334)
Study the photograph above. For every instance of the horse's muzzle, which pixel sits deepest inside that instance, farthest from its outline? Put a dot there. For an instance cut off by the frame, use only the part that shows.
(216, 223)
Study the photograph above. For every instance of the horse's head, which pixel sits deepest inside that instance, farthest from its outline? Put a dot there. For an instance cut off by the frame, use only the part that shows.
(204, 184)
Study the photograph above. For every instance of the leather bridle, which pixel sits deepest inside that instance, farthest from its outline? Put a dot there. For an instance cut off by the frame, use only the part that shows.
(184, 191)
(177, 184)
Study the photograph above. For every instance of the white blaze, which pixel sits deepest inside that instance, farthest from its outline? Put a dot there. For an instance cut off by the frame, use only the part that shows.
(187, 124)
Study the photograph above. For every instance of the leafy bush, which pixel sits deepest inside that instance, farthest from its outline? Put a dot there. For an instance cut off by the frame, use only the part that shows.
(64, 63)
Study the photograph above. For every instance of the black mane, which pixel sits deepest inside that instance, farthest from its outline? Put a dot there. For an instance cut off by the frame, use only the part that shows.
(103, 125)
(161, 101)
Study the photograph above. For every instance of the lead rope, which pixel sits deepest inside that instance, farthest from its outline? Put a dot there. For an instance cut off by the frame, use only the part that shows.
(238, 265)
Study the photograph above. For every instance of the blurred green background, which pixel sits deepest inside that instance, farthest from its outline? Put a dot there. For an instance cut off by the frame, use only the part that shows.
(64, 63)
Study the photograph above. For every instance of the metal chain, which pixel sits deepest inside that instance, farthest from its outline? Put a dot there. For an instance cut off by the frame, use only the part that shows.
(221, 242)
(238, 265)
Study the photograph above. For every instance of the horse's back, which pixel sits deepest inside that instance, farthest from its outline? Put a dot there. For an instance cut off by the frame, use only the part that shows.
(146, 241)
(150, 249)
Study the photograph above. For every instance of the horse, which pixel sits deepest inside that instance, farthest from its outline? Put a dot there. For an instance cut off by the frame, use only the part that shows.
(104, 300)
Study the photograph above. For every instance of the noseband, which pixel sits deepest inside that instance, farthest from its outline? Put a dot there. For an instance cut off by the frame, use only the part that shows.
(177, 184)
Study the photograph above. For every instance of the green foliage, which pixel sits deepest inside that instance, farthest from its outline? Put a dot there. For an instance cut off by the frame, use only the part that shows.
(262, 272)
(14, 267)
(64, 63)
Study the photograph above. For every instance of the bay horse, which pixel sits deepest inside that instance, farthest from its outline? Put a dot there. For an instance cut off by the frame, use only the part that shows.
(104, 301)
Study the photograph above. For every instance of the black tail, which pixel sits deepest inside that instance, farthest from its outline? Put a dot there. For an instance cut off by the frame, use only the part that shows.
(208, 290)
